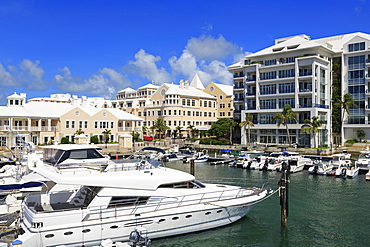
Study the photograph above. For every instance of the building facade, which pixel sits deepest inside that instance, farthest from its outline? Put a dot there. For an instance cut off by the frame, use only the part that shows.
(298, 71)
(41, 121)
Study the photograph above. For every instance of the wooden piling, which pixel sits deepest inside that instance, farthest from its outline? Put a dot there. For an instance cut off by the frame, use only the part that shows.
(284, 182)
(192, 169)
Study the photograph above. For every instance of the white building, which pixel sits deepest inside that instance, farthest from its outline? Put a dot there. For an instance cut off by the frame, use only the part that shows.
(299, 71)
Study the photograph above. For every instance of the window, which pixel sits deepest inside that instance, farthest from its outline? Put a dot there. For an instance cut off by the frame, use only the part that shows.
(286, 73)
(189, 113)
(80, 124)
(205, 104)
(96, 124)
(222, 105)
(192, 102)
(188, 102)
(183, 102)
(67, 124)
(111, 125)
(356, 47)
(86, 124)
(73, 124)
(270, 62)
(268, 75)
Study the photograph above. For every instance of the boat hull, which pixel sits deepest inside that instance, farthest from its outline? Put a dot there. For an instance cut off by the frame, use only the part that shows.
(168, 223)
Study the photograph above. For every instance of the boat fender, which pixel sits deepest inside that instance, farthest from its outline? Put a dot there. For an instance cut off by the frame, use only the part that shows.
(344, 172)
(134, 236)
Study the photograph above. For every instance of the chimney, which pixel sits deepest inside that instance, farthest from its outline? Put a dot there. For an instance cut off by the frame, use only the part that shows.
(186, 85)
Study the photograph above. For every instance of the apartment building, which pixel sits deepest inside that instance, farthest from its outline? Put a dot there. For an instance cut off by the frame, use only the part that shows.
(298, 71)
(40, 121)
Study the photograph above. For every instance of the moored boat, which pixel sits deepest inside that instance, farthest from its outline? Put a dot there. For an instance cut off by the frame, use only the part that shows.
(110, 205)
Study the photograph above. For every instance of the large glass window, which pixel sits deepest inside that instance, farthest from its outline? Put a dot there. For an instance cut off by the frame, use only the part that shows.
(286, 88)
(356, 62)
(356, 47)
(268, 75)
(268, 89)
(285, 101)
(268, 104)
(286, 73)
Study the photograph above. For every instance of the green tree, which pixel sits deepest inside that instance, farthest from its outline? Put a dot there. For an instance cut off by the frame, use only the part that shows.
(161, 126)
(247, 123)
(312, 126)
(190, 128)
(135, 136)
(178, 131)
(361, 134)
(106, 134)
(346, 104)
(223, 128)
(79, 132)
(64, 140)
(284, 118)
(94, 139)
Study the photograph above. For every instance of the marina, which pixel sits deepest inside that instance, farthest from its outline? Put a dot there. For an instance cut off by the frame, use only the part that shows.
(323, 211)
(317, 205)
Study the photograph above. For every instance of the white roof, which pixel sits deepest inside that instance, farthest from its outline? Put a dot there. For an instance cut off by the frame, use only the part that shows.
(128, 90)
(36, 109)
(191, 91)
(56, 110)
(227, 89)
(150, 85)
(196, 82)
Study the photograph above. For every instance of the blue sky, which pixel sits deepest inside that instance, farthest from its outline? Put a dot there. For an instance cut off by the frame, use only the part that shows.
(96, 48)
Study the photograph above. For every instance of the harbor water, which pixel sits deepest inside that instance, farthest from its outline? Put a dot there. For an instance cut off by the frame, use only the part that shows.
(323, 211)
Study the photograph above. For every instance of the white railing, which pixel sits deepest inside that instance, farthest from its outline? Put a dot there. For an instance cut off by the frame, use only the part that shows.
(160, 203)
(121, 129)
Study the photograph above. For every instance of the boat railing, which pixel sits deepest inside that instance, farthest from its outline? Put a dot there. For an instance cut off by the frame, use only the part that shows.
(160, 203)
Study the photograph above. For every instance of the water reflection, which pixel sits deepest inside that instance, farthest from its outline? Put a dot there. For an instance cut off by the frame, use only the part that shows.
(323, 211)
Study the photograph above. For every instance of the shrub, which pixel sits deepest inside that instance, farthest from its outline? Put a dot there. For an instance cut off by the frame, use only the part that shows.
(94, 139)
(351, 140)
(64, 140)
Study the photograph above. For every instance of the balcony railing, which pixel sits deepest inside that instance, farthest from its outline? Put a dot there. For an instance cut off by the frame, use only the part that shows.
(239, 99)
(250, 93)
(238, 75)
(120, 129)
(27, 128)
(305, 90)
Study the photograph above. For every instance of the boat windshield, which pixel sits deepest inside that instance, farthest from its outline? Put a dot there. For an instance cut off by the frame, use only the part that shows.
(61, 155)
(364, 156)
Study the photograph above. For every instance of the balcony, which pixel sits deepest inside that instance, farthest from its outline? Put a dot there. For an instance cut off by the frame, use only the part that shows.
(305, 73)
(239, 99)
(31, 128)
(305, 90)
(238, 75)
(121, 129)
(250, 93)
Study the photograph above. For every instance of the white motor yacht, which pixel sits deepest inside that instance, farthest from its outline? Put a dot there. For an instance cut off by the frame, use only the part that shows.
(321, 167)
(364, 157)
(347, 170)
(110, 205)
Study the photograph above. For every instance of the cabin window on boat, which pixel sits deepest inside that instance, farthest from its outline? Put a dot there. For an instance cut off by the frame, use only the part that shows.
(125, 201)
(184, 185)
(62, 155)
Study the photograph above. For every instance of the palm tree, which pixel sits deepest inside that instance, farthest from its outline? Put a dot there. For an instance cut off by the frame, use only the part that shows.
(231, 122)
(79, 132)
(312, 126)
(161, 126)
(284, 118)
(347, 103)
(178, 130)
(247, 123)
(106, 134)
(190, 127)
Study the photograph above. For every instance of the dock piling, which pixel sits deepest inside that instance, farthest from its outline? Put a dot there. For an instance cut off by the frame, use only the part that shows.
(192, 168)
(283, 184)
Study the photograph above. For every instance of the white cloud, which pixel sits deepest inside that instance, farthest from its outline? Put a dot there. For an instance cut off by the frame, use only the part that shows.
(32, 68)
(6, 79)
(186, 64)
(95, 85)
(116, 78)
(145, 66)
(219, 72)
(32, 75)
(210, 48)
